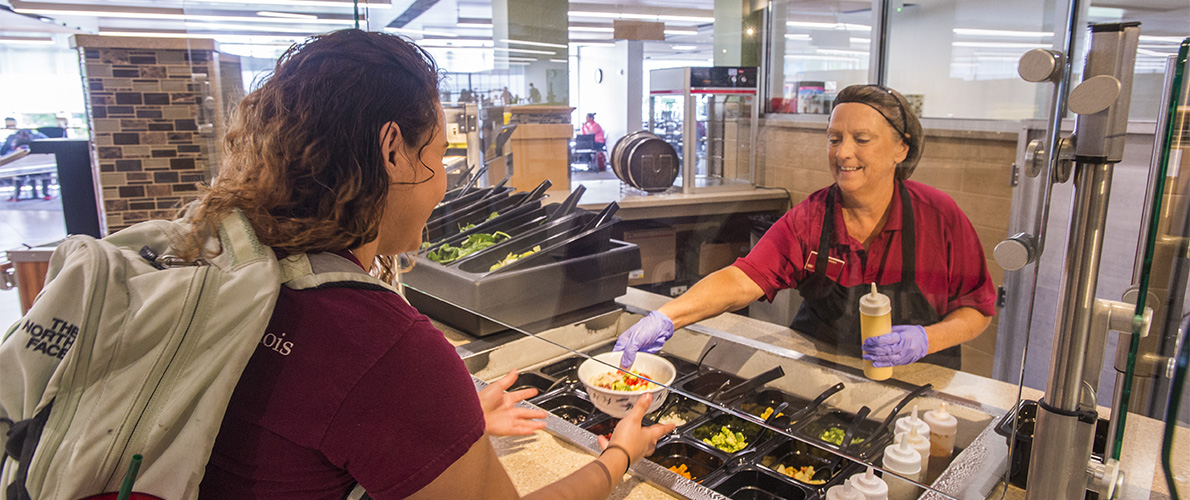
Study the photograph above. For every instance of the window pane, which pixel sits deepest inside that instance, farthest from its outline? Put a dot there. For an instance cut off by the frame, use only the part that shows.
(816, 48)
(958, 58)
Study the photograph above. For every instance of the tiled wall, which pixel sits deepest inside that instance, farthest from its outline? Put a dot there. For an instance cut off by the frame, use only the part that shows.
(974, 168)
(144, 108)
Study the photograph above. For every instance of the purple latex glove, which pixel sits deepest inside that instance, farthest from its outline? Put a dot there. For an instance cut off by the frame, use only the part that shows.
(903, 345)
(648, 335)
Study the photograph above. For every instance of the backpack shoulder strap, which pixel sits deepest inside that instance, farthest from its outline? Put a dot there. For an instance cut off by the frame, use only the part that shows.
(327, 270)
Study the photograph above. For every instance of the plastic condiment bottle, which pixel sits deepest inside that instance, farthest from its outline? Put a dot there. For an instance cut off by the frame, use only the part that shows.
(911, 420)
(875, 319)
(903, 460)
(943, 427)
(921, 444)
(844, 491)
(872, 487)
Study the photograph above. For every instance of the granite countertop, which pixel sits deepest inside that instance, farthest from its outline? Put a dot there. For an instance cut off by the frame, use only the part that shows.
(540, 459)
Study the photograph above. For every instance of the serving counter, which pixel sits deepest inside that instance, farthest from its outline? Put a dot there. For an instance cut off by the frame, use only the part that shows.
(745, 347)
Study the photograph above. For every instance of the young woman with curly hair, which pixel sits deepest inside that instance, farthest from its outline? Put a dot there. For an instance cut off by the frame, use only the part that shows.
(340, 151)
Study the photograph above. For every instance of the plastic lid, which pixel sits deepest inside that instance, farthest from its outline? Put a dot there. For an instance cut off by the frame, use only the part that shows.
(844, 491)
(914, 437)
(912, 421)
(875, 303)
(870, 485)
(940, 419)
(902, 459)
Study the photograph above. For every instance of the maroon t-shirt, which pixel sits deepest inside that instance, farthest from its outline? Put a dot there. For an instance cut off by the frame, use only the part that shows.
(347, 385)
(951, 269)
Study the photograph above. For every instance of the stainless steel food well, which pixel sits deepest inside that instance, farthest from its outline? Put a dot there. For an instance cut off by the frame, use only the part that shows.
(972, 473)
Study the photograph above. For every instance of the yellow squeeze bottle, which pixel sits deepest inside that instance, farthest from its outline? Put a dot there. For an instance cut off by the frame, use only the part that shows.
(875, 319)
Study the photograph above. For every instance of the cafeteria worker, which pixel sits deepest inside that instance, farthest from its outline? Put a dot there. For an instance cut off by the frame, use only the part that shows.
(873, 225)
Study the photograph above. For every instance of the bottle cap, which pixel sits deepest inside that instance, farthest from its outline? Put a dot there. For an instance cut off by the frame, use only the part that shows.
(870, 485)
(844, 491)
(911, 421)
(915, 438)
(940, 418)
(902, 459)
(875, 303)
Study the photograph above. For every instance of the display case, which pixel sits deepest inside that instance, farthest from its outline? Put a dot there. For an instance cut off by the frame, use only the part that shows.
(709, 116)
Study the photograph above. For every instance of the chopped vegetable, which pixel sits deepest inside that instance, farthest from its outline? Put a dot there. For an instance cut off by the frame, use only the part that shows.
(681, 470)
(803, 474)
(769, 411)
(620, 380)
(727, 440)
(672, 418)
(834, 435)
(447, 253)
(513, 257)
(468, 227)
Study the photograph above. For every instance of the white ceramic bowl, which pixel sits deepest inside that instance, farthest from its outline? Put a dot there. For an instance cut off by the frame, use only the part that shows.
(618, 403)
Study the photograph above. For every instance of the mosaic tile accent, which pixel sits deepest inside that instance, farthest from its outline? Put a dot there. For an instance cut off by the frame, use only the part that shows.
(144, 112)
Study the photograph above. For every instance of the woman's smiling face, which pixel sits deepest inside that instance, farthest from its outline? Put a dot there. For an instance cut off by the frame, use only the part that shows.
(863, 149)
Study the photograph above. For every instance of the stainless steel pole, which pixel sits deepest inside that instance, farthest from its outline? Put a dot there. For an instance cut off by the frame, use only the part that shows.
(1065, 417)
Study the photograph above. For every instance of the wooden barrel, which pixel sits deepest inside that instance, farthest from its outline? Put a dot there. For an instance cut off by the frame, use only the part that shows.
(646, 162)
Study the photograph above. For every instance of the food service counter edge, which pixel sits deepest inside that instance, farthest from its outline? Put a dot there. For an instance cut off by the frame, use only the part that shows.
(536, 460)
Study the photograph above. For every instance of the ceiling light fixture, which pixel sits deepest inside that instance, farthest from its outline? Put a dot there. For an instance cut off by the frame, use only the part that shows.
(646, 17)
(828, 26)
(1004, 33)
(1161, 39)
(421, 32)
(684, 47)
(999, 45)
(177, 17)
(525, 51)
(538, 44)
(797, 36)
(304, 3)
(684, 32)
(287, 15)
(26, 40)
(559, 61)
(590, 29)
(486, 26)
(235, 28)
(592, 44)
(440, 42)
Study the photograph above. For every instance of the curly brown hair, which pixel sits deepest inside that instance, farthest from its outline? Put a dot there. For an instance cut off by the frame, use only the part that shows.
(303, 159)
(897, 111)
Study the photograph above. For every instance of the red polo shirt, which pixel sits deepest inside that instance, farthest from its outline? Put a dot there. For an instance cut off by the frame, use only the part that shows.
(951, 269)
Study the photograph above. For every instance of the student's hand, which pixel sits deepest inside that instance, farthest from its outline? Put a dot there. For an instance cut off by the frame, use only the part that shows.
(501, 414)
(648, 335)
(903, 345)
(638, 441)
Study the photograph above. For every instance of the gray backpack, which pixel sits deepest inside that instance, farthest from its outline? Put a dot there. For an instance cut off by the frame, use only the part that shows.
(129, 350)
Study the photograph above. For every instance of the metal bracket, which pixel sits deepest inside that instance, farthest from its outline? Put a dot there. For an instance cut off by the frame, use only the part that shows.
(1014, 176)
(8, 278)
(1035, 156)
(1106, 479)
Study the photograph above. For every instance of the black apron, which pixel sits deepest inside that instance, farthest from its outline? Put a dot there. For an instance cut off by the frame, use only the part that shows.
(830, 311)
